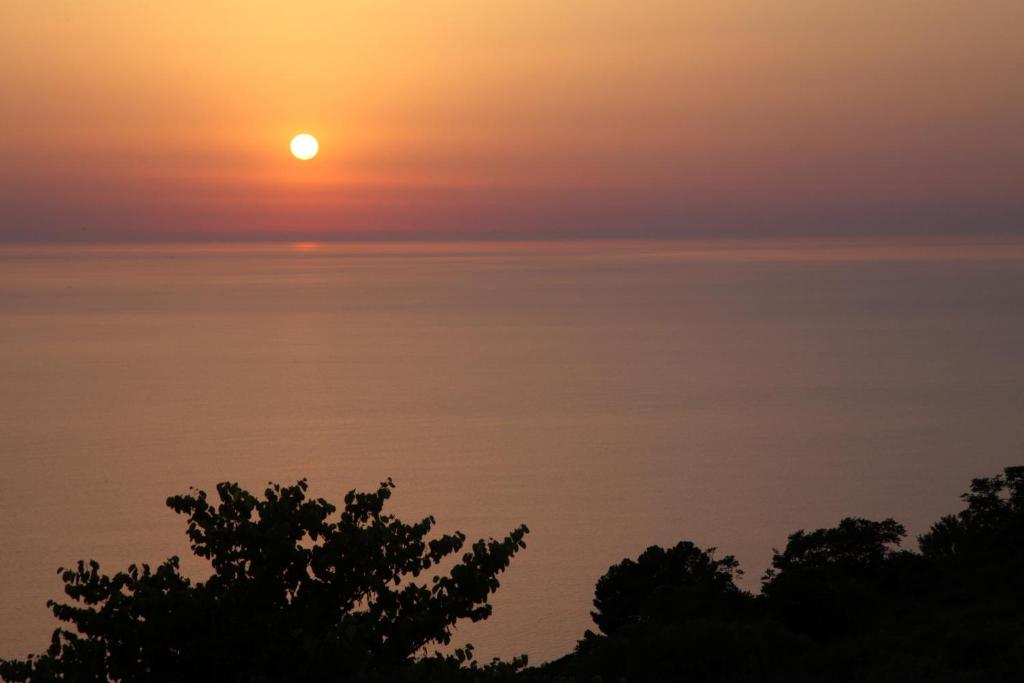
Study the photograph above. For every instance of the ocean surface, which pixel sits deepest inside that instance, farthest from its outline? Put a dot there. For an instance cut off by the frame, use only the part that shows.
(611, 395)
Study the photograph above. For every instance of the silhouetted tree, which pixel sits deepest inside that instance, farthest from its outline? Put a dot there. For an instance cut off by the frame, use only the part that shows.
(830, 581)
(296, 593)
(854, 544)
(977, 557)
(683, 581)
(672, 614)
(992, 523)
(843, 604)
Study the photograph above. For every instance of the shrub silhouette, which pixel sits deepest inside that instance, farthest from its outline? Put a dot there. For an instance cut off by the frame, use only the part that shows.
(296, 593)
(830, 581)
(992, 524)
(672, 614)
(840, 604)
(664, 583)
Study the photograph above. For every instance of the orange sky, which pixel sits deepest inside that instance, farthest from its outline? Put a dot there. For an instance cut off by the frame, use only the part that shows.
(146, 120)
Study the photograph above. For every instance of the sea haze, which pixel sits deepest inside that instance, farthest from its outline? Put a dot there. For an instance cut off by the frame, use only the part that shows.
(609, 395)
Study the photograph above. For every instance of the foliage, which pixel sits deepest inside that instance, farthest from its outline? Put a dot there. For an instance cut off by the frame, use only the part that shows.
(993, 521)
(661, 583)
(832, 581)
(296, 593)
(668, 601)
(839, 604)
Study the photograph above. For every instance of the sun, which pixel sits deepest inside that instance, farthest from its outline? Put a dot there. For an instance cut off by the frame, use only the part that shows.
(304, 146)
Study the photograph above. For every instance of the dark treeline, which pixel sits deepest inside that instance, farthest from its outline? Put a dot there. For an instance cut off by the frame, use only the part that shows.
(300, 593)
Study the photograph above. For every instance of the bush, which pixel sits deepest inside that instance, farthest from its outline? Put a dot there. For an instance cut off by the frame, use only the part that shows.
(296, 593)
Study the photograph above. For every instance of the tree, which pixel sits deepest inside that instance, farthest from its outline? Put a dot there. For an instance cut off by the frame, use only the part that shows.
(664, 585)
(673, 614)
(296, 593)
(843, 604)
(992, 523)
(854, 544)
(832, 581)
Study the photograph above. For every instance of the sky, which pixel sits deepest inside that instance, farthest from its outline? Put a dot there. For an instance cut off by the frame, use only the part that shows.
(141, 120)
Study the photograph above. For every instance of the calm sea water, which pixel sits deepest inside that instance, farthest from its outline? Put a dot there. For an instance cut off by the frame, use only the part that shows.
(612, 396)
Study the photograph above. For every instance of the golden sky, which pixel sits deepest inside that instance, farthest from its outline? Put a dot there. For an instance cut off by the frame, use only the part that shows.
(153, 120)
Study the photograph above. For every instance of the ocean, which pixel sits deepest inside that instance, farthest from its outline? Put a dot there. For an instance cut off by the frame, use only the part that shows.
(611, 395)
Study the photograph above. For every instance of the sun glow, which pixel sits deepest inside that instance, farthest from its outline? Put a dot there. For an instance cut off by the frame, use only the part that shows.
(304, 146)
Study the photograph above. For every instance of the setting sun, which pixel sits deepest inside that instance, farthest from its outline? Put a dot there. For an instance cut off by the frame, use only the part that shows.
(304, 146)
